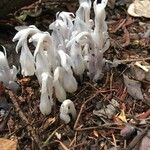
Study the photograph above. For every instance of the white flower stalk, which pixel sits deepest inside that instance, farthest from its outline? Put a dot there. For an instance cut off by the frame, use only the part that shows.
(65, 61)
(68, 81)
(66, 17)
(76, 52)
(41, 65)
(23, 34)
(83, 11)
(27, 61)
(7, 75)
(3, 59)
(100, 35)
(60, 32)
(46, 101)
(45, 42)
(26, 57)
(67, 108)
(59, 90)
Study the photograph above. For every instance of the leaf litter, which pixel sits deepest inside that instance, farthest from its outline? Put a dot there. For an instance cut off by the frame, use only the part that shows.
(98, 128)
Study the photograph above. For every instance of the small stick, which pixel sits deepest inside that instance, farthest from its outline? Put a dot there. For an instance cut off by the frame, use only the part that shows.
(81, 109)
(51, 135)
(133, 60)
(35, 137)
(78, 145)
(107, 126)
(74, 139)
(62, 145)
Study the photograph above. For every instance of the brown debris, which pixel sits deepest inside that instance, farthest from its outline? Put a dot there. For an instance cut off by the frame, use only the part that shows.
(24, 122)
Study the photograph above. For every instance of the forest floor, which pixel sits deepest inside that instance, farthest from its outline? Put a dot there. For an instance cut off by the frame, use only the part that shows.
(125, 126)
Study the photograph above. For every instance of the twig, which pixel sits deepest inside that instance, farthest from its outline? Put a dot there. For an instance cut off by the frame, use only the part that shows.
(35, 137)
(51, 135)
(101, 91)
(80, 144)
(81, 109)
(111, 80)
(121, 23)
(74, 139)
(106, 126)
(62, 145)
(133, 60)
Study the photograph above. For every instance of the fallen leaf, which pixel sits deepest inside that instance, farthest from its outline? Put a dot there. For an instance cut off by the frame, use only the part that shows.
(138, 73)
(140, 8)
(128, 131)
(122, 116)
(6, 144)
(145, 144)
(109, 111)
(133, 88)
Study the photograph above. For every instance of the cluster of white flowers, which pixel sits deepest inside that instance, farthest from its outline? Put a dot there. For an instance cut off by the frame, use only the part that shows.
(7, 75)
(76, 44)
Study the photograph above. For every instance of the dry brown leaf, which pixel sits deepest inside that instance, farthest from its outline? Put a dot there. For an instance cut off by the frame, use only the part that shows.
(145, 144)
(138, 73)
(109, 111)
(140, 8)
(6, 144)
(133, 88)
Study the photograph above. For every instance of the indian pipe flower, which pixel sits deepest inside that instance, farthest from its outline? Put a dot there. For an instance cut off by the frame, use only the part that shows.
(46, 101)
(68, 81)
(67, 108)
(7, 75)
(100, 35)
(45, 43)
(83, 11)
(59, 89)
(26, 57)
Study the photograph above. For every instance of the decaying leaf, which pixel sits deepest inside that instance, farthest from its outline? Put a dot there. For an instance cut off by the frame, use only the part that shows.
(140, 8)
(145, 144)
(6, 144)
(109, 111)
(147, 77)
(128, 131)
(138, 73)
(141, 71)
(133, 88)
